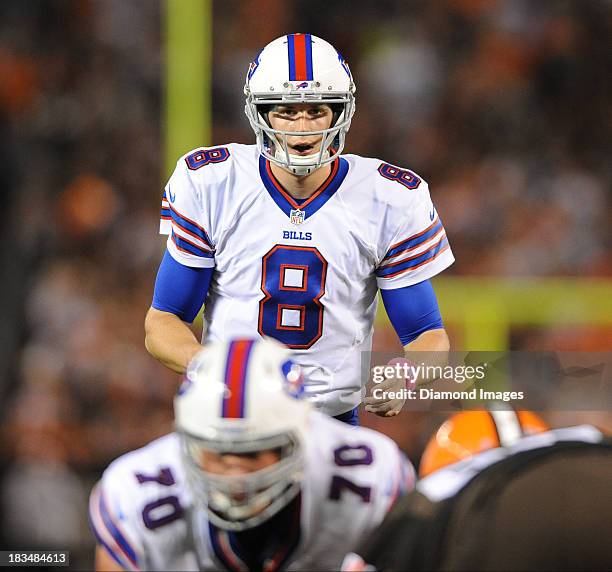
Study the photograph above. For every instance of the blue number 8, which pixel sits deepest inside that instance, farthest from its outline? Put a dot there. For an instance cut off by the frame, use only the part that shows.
(293, 281)
(203, 157)
(402, 176)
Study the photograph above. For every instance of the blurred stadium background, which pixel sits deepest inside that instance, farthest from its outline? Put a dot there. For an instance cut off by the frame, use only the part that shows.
(504, 106)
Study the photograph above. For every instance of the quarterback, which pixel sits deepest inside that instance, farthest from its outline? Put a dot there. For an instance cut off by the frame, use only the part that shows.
(292, 239)
(252, 479)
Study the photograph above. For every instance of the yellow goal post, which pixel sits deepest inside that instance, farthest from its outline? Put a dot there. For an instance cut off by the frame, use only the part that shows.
(486, 308)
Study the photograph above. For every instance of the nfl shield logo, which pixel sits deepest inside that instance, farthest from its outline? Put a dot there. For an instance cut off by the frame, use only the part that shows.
(296, 217)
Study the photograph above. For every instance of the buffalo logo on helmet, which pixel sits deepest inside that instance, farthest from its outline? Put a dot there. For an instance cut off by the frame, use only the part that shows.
(344, 64)
(253, 66)
(294, 379)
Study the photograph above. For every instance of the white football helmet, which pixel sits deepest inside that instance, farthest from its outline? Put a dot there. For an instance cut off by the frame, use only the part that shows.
(299, 68)
(242, 397)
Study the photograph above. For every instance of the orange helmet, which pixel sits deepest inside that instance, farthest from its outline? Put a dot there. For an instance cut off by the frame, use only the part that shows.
(470, 432)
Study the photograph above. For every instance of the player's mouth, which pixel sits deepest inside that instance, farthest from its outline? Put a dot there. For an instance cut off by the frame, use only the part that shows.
(302, 149)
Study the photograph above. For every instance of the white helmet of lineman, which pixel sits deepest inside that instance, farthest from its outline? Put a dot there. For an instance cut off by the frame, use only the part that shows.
(242, 397)
(299, 68)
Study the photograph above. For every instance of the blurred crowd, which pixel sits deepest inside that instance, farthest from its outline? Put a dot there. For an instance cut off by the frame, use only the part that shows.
(502, 105)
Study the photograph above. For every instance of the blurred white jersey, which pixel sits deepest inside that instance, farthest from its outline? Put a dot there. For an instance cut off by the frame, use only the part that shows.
(305, 273)
(142, 511)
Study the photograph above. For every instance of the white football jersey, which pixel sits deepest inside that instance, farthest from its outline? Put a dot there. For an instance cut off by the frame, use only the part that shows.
(142, 511)
(305, 273)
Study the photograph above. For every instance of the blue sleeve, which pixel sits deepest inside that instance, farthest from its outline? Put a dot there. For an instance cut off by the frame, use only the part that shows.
(179, 289)
(412, 310)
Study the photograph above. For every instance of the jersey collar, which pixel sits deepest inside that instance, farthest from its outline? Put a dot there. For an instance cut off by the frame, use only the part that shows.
(313, 203)
(282, 534)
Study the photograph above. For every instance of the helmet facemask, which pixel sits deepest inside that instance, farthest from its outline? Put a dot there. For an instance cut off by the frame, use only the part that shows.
(272, 143)
(238, 502)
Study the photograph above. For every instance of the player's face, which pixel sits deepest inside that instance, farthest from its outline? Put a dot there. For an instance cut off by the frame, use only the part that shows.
(302, 117)
(232, 464)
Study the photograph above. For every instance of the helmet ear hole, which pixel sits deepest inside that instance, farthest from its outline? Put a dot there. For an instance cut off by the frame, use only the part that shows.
(337, 109)
(263, 110)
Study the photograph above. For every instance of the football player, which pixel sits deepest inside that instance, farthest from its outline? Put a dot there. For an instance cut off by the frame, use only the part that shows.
(252, 479)
(501, 491)
(291, 239)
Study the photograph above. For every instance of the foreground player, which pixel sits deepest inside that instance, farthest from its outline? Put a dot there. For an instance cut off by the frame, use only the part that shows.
(291, 240)
(253, 478)
(501, 492)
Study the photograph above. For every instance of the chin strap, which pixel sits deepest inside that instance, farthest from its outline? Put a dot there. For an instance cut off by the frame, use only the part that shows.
(296, 168)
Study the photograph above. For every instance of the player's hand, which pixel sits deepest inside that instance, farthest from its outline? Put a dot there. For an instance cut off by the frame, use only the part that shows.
(388, 402)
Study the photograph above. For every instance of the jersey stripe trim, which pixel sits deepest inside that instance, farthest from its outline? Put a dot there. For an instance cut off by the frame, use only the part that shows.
(189, 247)
(223, 550)
(235, 378)
(115, 531)
(411, 244)
(111, 551)
(108, 534)
(189, 226)
(165, 213)
(199, 241)
(230, 554)
(397, 262)
(414, 262)
(287, 203)
(102, 535)
(310, 199)
(415, 240)
(191, 238)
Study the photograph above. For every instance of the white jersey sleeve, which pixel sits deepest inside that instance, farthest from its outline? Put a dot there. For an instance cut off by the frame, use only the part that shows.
(137, 510)
(413, 245)
(114, 529)
(188, 204)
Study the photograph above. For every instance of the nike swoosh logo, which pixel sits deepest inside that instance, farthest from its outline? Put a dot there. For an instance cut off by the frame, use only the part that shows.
(432, 214)
(171, 196)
